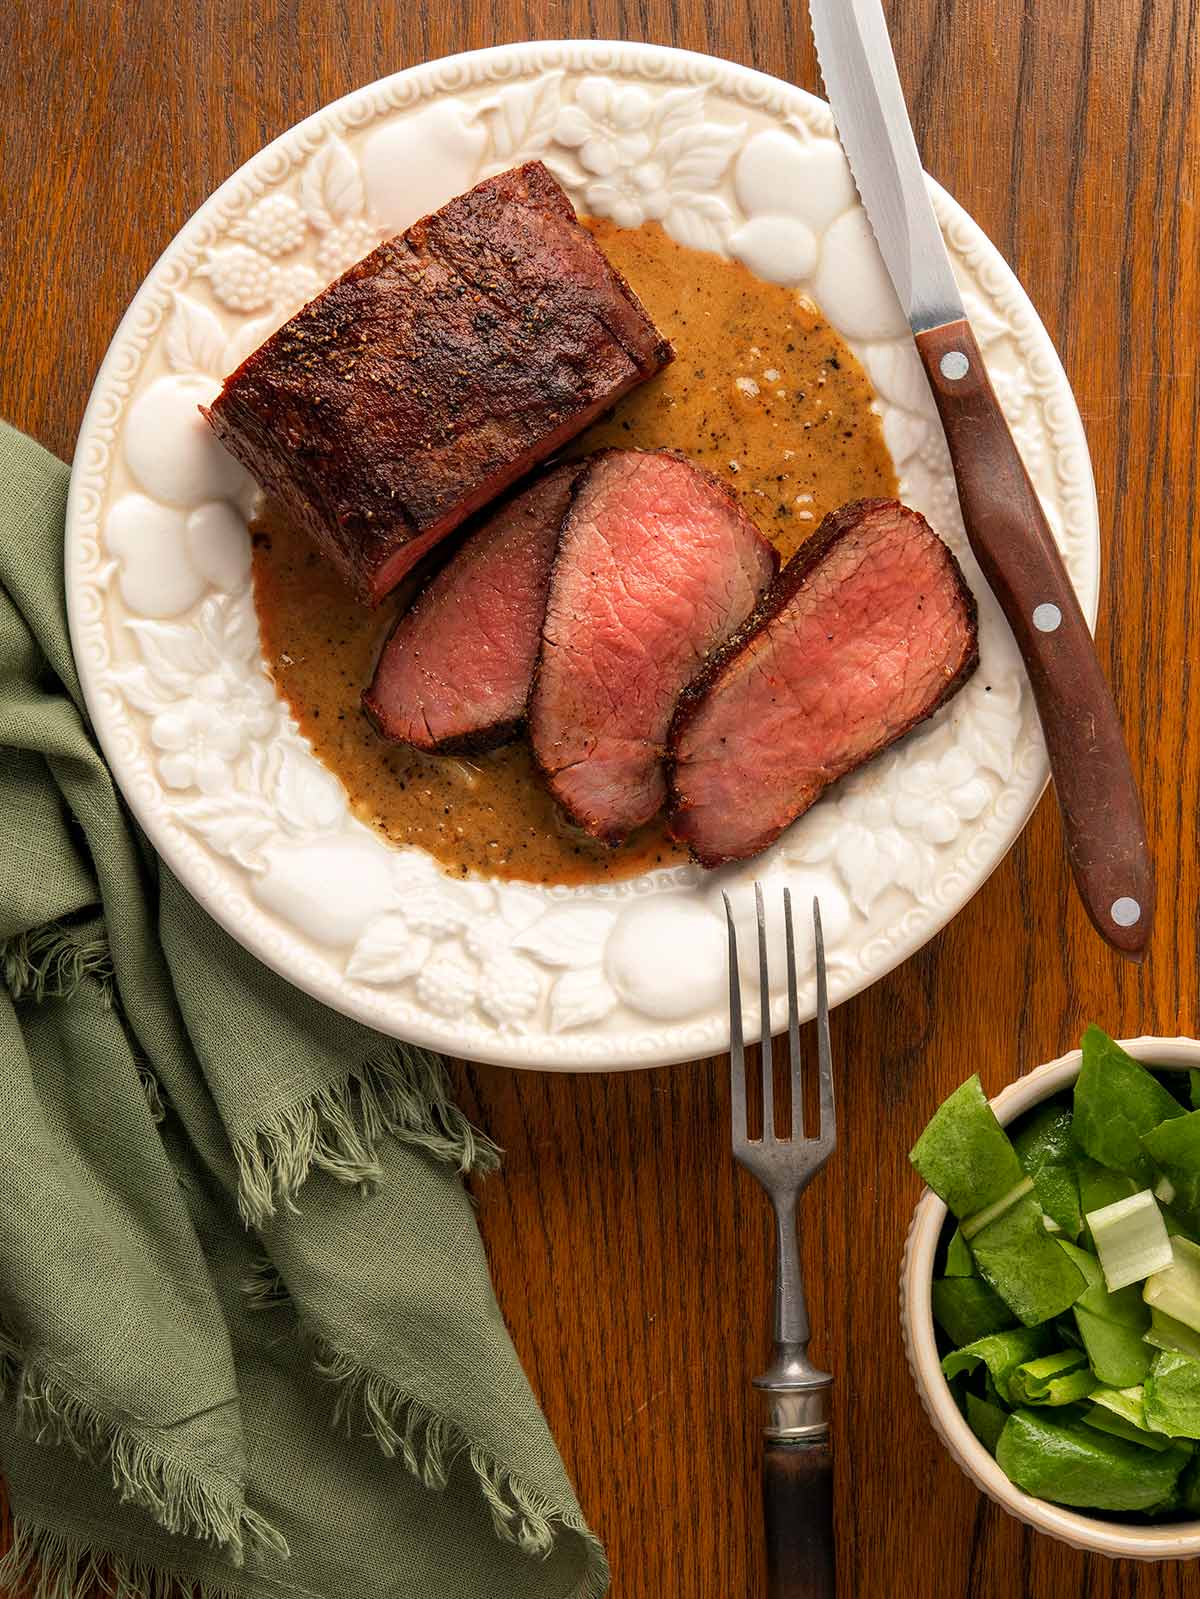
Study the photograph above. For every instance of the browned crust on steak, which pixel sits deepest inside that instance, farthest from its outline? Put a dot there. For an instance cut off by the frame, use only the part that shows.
(436, 372)
(478, 743)
(614, 838)
(838, 525)
(496, 734)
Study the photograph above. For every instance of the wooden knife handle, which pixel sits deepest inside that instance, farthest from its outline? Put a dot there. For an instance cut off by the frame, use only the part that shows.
(798, 1517)
(1101, 811)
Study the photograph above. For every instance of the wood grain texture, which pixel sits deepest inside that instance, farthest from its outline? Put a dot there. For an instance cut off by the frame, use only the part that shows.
(631, 1263)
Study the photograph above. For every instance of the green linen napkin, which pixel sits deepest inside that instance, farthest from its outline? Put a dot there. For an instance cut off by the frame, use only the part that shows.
(247, 1335)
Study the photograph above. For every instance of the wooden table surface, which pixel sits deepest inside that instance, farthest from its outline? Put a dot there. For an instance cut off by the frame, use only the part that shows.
(632, 1264)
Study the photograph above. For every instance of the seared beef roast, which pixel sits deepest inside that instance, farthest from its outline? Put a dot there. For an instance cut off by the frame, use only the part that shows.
(656, 565)
(455, 674)
(435, 372)
(867, 630)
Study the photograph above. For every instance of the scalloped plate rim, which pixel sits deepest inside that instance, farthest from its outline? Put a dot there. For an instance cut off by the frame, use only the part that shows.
(184, 857)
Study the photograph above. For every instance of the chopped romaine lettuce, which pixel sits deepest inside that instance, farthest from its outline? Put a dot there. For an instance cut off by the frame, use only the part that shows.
(1001, 1354)
(1085, 1228)
(1187, 1490)
(1064, 1460)
(1086, 1263)
(1164, 1332)
(1105, 1421)
(1130, 1239)
(1122, 1412)
(1026, 1267)
(1128, 1402)
(1117, 1351)
(1174, 1146)
(1172, 1395)
(1059, 1379)
(1172, 1222)
(1098, 1186)
(985, 1420)
(965, 1308)
(1110, 1325)
(965, 1155)
(1066, 1330)
(1176, 1289)
(1116, 1101)
(1047, 1151)
(971, 1225)
(958, 1257)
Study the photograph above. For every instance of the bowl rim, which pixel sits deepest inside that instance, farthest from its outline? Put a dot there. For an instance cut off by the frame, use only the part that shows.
(1177, 1541)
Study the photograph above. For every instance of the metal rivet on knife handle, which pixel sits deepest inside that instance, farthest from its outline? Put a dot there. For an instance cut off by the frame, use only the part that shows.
(1126, 912)
(1047, 617)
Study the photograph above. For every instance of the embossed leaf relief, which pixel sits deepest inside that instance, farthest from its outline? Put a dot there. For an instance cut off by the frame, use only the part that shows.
(257, 273)
(580, 997)
(216, 727)
(389, 951)
(635, 158)
(883, 828)
(195, 340)
(522, 120)
(472, 946)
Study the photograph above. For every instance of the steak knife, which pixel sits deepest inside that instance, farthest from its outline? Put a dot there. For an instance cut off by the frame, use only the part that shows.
(1101, 812)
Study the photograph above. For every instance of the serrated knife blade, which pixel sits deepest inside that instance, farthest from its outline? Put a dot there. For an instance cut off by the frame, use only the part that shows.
(859, 69)
(1103, 826)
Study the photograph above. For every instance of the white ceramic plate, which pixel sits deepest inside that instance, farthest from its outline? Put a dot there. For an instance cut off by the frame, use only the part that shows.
(164, 628)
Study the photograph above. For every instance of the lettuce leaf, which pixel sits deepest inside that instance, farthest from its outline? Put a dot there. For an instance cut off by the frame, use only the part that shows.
(1110, 1325)
(965, 1155)
(1025, 1265)
(965, 1308)
(985, 1420)
(1001, 1354)
(1172, 1395)
(1059, 1379)
(1116, 1102)
(958, 1257)
(1064, 1460)
(1047, 1152)
(1174, 1146)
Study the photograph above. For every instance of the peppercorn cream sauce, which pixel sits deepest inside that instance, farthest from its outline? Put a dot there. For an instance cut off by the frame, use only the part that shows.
(762, 392)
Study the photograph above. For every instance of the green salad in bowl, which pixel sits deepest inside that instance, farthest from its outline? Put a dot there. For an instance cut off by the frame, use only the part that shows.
(1063, 1285)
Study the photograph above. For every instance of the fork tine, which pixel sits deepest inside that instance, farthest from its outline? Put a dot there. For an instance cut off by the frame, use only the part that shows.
(828, 1133)
(795, 1064)
(737, 1054)
(764, 1010)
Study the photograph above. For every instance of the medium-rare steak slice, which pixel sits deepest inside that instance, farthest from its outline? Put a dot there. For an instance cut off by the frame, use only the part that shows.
(457, 670)
(656, 564)
(866, 631)
(435, 373)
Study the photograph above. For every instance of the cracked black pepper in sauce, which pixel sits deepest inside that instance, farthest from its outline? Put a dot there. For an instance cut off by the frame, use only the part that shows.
(762, 392)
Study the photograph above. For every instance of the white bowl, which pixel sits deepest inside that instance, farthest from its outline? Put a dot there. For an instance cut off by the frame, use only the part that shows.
(1177, 1541)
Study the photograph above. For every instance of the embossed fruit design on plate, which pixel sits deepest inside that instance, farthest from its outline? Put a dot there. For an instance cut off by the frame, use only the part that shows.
(158, 566)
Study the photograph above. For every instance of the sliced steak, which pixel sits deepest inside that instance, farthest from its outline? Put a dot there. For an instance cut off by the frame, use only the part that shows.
(456, 673)
(866, 631)
(435, 373)
(656, 564)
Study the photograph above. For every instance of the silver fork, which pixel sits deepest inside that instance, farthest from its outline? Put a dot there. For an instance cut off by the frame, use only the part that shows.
(797, 1454)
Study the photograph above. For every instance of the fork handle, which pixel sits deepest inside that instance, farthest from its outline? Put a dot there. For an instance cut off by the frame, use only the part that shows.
(798, 1516)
